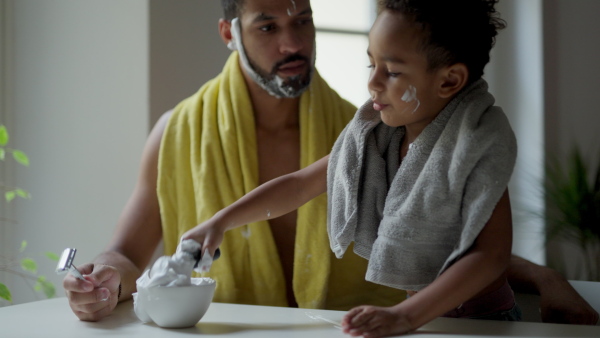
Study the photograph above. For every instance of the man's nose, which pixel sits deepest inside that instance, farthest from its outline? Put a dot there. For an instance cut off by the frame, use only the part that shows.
(290, 42)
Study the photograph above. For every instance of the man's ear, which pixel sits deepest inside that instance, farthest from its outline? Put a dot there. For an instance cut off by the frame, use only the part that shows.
(453, 79)
(225, 30)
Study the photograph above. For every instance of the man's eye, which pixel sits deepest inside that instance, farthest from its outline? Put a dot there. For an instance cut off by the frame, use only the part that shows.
(305, 21)
(267, 28)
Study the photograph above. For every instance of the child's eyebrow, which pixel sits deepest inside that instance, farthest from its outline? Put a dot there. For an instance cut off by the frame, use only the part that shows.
(389, 58)
(265, 17)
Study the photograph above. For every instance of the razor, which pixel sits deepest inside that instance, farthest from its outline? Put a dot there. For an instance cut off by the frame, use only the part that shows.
(65, 263)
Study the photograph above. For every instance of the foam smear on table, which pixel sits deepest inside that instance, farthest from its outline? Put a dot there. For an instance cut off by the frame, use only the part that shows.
(315, 316)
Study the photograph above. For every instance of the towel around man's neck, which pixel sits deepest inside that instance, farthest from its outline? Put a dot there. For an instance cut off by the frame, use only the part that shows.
(208, 160)
(413, 221)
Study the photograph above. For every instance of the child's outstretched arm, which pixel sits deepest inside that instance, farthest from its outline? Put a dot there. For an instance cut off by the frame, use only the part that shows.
(270, 200)
(483, 266)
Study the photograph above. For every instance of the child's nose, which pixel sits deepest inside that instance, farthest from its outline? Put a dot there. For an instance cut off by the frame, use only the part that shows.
(375, 83)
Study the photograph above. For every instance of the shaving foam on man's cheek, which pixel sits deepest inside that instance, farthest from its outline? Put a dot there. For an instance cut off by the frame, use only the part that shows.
(410, 95)
(236, 44)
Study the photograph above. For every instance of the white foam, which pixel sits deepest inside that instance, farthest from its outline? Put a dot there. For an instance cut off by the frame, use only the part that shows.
(173, 270)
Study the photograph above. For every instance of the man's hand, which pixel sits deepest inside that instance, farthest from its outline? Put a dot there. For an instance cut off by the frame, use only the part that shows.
(97, 296)
(559, 302)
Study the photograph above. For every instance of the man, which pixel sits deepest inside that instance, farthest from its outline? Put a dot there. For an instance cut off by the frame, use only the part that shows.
(267, 114)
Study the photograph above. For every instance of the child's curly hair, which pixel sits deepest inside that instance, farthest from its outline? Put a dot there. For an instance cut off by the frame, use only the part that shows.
(454, 31)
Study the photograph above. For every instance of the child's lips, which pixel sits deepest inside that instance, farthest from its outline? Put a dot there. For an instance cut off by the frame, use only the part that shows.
(379, 106)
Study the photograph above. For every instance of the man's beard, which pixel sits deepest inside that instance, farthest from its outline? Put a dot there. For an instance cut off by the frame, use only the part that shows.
(271, 82)
(291, 87)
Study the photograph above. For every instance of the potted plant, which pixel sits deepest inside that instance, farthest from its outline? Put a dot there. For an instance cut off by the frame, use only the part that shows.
(11, 263)
(572, 193)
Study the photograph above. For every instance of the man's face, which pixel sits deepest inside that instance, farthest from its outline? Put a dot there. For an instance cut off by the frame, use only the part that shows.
(279, 40)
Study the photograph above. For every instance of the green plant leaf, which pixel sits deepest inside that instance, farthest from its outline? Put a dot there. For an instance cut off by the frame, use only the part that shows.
(2, 154)
(3, 135)
(23, 193)
(29, 264)
(45, 286)
(20, 157)
(10, 195)
(5, 293)
(23, 246)
(52, 256)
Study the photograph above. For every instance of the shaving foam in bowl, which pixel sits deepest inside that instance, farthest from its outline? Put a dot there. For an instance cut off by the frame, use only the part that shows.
(177, 306)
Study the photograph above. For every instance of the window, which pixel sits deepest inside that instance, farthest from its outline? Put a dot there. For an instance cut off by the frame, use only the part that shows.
(342, 41)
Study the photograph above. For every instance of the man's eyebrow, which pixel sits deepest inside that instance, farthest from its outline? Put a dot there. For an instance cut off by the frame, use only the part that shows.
(265, 17)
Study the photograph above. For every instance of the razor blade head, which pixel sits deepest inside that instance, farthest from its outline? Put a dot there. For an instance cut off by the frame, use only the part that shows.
(198, 256)
(66, 260)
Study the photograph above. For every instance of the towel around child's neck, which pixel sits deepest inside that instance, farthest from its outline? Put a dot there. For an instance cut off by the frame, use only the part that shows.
(412, 221)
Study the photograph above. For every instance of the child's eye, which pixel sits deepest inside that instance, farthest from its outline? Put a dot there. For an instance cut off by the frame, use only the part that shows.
(391, 74)
(371, 66)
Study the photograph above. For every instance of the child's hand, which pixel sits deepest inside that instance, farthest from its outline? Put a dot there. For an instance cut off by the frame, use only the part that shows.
(209, 234)
(373, 321)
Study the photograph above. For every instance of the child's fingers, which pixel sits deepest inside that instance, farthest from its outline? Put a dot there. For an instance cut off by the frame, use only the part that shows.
(371, 327)
(365, 314)
(380, 331)
(347, 320)
(358, 320)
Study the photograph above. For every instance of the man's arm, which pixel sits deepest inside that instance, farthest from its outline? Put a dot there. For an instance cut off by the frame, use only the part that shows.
(138, 232)
(559, 302)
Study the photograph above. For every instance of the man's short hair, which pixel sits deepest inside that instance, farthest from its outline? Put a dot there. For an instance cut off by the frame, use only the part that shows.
(457, 31)
(232, 8)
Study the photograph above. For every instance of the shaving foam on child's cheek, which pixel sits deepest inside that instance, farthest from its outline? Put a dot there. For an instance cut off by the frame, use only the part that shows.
(410, 95)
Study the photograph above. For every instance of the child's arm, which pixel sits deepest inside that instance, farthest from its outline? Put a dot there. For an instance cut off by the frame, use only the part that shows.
(484, 264)
(270, 200)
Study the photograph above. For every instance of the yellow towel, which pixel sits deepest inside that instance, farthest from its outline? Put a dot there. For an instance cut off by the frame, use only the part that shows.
(208, 160)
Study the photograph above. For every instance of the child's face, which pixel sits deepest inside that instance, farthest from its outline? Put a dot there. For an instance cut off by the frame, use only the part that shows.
(401, 87)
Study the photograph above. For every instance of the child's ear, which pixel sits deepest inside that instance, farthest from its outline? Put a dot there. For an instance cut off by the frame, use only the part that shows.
(453, 79)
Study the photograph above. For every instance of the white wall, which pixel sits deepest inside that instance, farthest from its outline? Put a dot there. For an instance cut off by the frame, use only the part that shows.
(185, 50)
(572, 70)
(88, 79)
(572, 81)
(515, 75)
(79, 107)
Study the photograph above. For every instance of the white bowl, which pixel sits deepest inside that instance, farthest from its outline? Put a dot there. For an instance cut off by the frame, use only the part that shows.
(175, 306)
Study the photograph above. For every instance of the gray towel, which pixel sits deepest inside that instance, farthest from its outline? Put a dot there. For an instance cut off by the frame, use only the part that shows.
(412, 221)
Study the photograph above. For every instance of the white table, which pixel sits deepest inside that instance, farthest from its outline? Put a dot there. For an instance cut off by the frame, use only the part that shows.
(53, 318)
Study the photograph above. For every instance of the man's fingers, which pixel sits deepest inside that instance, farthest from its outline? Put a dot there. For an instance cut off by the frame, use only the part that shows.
(104, 276)
(72, 284)
(94, 312)
(84, 298)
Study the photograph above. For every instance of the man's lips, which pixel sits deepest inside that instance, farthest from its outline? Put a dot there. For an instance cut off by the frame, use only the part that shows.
(292, 68)
(379, 106)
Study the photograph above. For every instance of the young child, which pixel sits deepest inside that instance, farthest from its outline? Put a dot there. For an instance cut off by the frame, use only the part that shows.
(423, 195)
